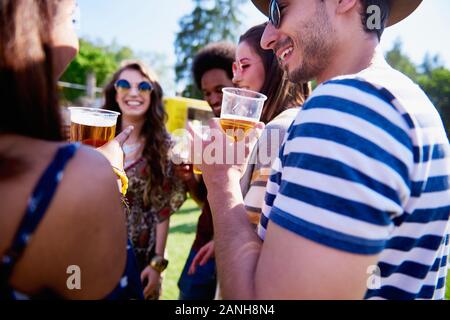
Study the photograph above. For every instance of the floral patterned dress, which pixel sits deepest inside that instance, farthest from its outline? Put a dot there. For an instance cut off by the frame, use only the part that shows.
(142, 220)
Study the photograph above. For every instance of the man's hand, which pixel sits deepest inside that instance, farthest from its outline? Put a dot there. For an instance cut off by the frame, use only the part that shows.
(220, 155)
(203, 255)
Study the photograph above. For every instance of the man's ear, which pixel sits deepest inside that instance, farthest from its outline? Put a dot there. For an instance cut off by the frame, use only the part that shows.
(344, 6)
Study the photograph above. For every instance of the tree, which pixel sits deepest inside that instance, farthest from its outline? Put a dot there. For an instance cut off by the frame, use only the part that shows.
(437, 86)
(400, 61)
(97, 59)
(119, 52)
(431, 75)
(430, 63)
(204, 25)
(158, 62)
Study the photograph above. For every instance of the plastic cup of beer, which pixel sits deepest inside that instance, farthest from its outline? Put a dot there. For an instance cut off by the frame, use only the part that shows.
(92, 126)
(241, 111)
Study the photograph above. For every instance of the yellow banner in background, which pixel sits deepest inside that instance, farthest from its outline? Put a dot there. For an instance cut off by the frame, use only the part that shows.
(180, 110)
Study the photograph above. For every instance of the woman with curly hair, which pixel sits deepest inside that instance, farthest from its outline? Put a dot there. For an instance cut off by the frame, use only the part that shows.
(154, 192)
(62, 230)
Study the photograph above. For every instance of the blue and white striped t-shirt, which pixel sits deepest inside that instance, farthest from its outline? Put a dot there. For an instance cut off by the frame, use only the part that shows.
(365, 169)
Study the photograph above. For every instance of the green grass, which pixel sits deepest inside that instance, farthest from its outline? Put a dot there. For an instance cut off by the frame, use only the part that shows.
(181, 235)
(183, 225)
(447, 292)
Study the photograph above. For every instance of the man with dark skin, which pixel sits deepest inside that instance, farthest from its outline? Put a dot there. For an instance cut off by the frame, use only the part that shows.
(212, 71)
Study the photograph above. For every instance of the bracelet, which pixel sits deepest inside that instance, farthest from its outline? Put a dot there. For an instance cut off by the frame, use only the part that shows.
(158, 263)
(123, 179)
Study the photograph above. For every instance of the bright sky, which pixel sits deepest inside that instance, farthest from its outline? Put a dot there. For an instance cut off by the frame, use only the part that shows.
(151, 26)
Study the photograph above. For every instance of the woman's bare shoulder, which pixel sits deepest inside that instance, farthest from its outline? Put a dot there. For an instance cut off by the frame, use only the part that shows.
(84, 226)
(90, 195)
(88, 175)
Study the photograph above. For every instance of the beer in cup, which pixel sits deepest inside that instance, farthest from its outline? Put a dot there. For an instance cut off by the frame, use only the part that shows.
(241, 111)
(92, 126)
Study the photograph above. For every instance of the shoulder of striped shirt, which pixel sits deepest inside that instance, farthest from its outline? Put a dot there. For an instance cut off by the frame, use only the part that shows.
(385, 79)
(386, 84)
(282, 122)
(284, 119)
(410, 104)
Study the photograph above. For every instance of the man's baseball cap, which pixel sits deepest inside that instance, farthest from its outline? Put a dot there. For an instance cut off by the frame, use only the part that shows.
(400, 9)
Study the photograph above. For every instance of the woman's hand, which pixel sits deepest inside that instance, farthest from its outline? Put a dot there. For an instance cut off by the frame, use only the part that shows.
(203, 255)
(184, 172)
(113, 149)
(153, 279)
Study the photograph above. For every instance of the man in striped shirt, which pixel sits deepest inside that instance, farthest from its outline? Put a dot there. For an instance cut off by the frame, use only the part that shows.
(358, 202)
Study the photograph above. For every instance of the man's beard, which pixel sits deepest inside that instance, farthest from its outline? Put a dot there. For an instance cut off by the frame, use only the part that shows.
(315, 40)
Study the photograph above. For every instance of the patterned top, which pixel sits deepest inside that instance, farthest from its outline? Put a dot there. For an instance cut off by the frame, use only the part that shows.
(366, 169)
(142, 220)
(254, 180)
(129, 286)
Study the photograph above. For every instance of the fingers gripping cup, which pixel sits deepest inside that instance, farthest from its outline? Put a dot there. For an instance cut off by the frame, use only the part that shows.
(241, 111)
(92, 126)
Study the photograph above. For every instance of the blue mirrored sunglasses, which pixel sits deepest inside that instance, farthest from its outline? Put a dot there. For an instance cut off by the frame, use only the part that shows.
(274, 13)
(124, 86)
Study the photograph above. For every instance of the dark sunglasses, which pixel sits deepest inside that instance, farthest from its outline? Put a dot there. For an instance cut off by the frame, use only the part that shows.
(274, 13)
(123, 86)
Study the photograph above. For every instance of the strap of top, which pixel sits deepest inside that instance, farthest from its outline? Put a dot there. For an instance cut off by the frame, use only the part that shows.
(129, 286)
(38, 204)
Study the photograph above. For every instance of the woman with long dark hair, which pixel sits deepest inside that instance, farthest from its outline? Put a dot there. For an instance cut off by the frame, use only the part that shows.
(154, 192)
(61, 219)
(258, 70)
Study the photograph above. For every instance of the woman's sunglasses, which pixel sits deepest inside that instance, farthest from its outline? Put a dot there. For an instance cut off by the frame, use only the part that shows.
(124, 86)
(274, 14)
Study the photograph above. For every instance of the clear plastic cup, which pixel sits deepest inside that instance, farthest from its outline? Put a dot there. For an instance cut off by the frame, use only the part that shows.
(92, 126)
(241, 111)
